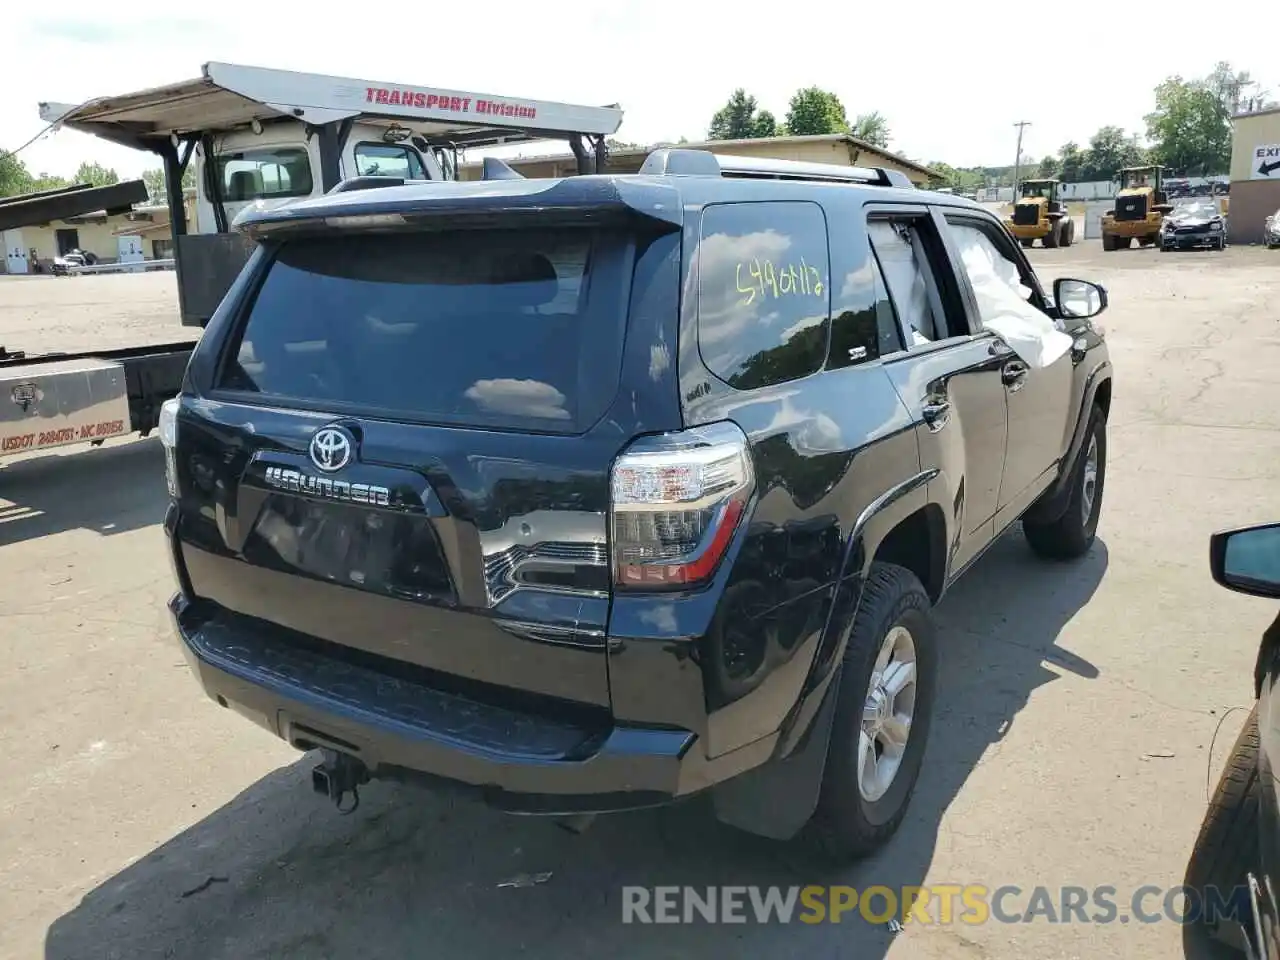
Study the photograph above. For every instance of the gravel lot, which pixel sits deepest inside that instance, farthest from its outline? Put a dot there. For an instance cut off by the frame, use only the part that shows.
(90, 312)
(1077, 705)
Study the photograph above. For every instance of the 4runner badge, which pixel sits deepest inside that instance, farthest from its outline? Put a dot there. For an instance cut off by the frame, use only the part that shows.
(331, 449)
(327, 488)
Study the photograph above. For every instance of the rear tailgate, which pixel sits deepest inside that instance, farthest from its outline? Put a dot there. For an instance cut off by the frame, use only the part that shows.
(404, 448)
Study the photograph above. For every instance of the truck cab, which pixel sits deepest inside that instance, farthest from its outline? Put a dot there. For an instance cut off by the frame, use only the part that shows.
(263, 138)
(283, 163)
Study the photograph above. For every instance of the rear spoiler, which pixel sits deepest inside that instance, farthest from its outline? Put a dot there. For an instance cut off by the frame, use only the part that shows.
(470, 205)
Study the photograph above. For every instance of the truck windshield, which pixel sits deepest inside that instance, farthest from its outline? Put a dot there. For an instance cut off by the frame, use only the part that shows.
(388, 160)
(1037, 190)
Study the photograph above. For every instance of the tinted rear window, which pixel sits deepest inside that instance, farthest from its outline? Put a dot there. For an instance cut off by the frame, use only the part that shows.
(518, 329)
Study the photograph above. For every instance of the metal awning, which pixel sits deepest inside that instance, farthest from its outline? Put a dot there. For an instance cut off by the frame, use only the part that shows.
(231, 96)
(33, 208)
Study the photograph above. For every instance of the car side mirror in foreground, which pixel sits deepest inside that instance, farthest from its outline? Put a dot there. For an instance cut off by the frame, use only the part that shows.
(1079, 299)
(1247, 560)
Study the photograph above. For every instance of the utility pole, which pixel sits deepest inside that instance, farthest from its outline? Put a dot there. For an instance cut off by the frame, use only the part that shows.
(1017, 160)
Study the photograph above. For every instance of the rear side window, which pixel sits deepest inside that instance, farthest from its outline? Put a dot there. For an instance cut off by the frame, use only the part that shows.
(764, 305)
(518, 329)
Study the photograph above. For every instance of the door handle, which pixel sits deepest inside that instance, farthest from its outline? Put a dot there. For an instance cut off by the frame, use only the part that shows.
(936, 413)
(1013, 374)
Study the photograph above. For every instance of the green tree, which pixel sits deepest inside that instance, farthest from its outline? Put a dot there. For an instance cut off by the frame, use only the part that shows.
(1070, 161)
(740, 119)
(816, 111)
(155, 180)
(963, 180)
(766, 124)
(872, 127)
(95, 174)
(1110, 149)
(14, 176)
(1190, 127)
(48, 181)
(1048, 167)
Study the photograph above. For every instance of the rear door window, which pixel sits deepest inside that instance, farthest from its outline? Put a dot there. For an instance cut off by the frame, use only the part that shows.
(520, 329)
(764, 306)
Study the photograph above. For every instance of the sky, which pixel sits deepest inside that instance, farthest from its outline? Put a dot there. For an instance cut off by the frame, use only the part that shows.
(950, 86)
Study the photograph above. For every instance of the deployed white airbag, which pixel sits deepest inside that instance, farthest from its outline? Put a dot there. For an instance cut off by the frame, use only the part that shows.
(1003, 302)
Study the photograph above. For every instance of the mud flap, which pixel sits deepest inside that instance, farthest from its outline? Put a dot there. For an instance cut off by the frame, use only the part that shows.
(776, 799)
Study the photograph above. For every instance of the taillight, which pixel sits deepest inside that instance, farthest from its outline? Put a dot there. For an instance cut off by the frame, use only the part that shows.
(168, 430)
(677, 499)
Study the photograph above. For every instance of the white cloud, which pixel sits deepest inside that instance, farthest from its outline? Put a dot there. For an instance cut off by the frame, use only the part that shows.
(526, 398)
(948, 94)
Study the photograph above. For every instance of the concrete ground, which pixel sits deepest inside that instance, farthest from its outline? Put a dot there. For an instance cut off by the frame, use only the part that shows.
(1071, 746)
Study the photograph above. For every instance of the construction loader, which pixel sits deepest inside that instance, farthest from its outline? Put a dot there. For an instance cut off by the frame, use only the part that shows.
(1139, 209)
(1040, 213)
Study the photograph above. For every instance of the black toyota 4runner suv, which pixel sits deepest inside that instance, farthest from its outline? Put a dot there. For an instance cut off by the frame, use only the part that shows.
(603, 492)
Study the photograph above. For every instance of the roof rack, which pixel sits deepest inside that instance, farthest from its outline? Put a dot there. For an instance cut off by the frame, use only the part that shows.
(672, 161)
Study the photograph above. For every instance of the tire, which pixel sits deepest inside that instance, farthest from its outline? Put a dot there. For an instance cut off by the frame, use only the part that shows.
(1124, 243)
(1026, 241)
(1053, 236)
(847, 825)
(1072, 534)
(1108, 243)
(1226, 849)
(1068, 233)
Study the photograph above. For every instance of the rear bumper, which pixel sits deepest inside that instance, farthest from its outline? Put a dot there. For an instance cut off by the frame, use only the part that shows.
(401, 729)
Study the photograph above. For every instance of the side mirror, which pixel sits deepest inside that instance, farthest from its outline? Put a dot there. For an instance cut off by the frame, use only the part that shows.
(1079, 299)
(1247, 560)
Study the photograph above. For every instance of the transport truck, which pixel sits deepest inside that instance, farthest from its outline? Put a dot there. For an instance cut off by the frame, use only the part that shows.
(259, 138)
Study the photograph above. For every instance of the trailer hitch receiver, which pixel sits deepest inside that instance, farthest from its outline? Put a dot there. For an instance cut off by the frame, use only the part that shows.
(338, 775)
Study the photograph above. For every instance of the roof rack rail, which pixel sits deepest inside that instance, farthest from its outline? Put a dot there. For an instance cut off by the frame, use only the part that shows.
(367, 182)
(674, 161)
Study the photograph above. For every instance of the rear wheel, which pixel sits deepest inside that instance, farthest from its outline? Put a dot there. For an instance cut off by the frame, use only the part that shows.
(1108, 242)
(1124, 243)
(1026, 241)
(1068, 232)
(884, 703)
(1072, 534)
(1226, 849)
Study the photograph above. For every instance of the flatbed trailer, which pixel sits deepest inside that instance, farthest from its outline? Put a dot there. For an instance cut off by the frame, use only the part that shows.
(259, 137)
(57, 399)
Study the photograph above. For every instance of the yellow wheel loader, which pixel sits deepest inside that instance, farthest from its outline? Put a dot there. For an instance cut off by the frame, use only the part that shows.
(1040, 213)
(1139, 209)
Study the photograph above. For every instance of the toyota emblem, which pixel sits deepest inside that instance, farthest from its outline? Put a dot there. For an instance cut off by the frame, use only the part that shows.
(331, 448)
